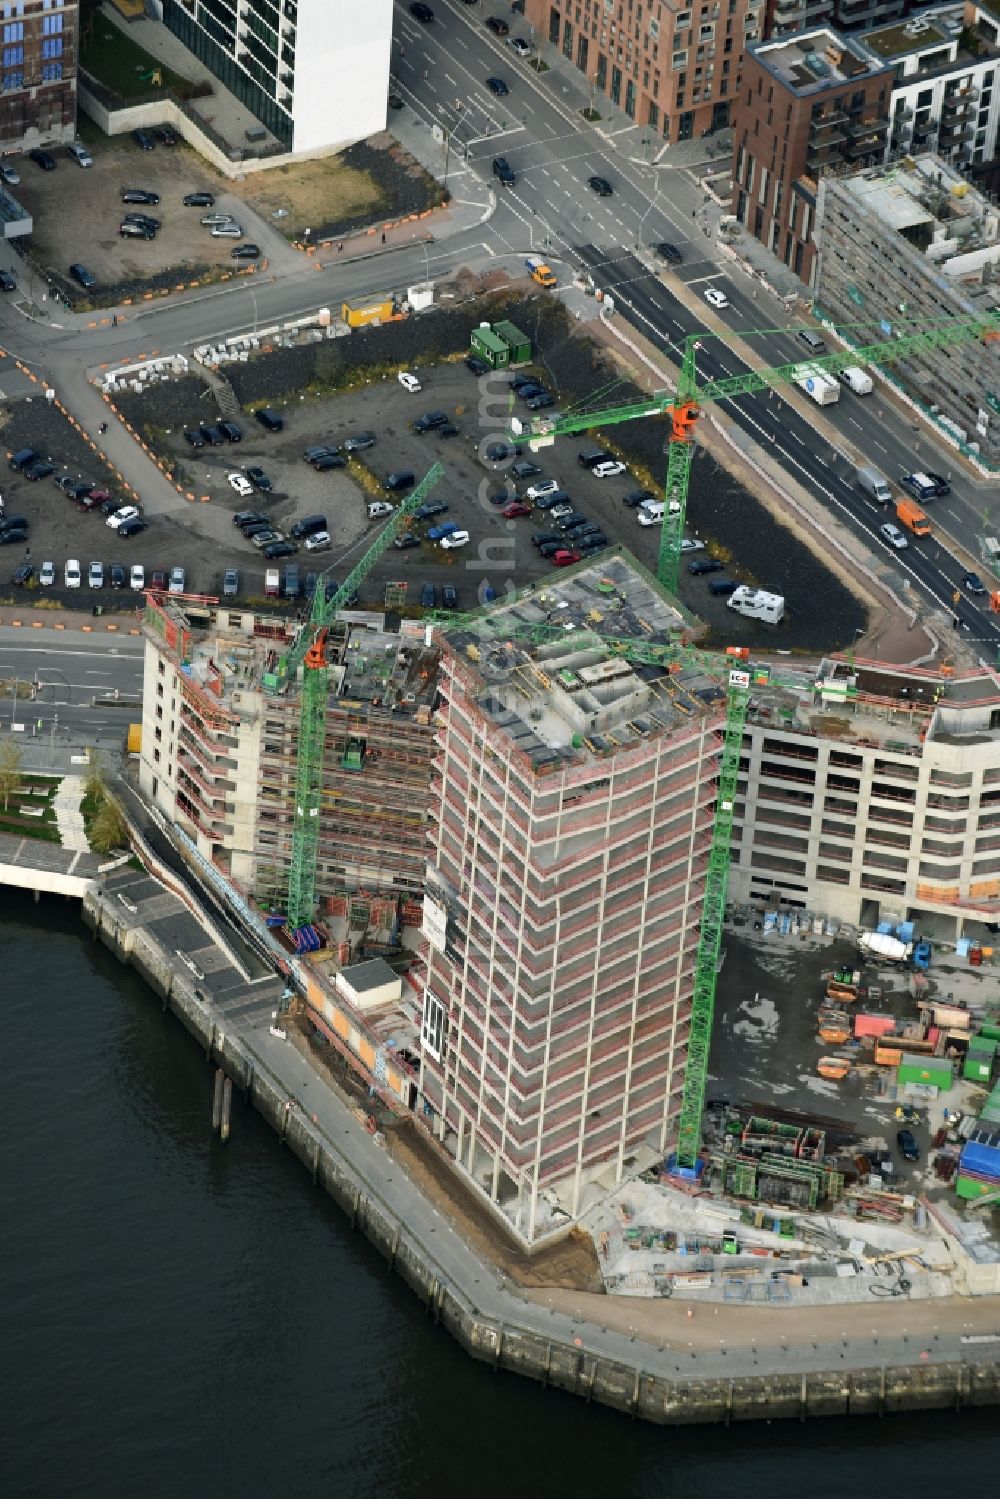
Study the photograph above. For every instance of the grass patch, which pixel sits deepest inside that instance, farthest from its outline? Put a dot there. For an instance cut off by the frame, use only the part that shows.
(538, 65)
(312, 194)
(124, 67)
(42, 828)
(591, 115)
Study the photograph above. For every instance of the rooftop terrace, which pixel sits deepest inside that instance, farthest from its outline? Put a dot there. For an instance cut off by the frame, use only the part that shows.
(810, 61)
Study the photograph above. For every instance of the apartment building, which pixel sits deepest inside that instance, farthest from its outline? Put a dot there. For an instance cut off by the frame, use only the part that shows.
(40, 47)
(219, 753)
(808, 103)
(943, 96)
(573, 805)
(783, 17)
(913, 246)
(869, 791)
(314, 72)
(672, 67)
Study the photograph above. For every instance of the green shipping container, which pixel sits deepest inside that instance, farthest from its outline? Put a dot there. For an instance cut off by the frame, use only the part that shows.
(517, 342)
(978, 1067)
(991, 1030)
(488, 346)
(933, 1072)
(969, 1188)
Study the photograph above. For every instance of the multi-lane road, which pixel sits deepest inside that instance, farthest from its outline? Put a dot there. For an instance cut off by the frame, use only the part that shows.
(69, 677)
(440, 71)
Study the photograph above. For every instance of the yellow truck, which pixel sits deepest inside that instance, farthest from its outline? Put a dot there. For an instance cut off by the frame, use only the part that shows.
(540, 272)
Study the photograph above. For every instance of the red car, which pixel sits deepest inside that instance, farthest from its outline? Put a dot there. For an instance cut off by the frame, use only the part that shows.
(510, 512)
(565, 558)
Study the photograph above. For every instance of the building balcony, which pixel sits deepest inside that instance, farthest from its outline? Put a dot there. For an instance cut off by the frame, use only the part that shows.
(954, 131)
(860, 127)
(833, 120)
(904, 115)
(192, 770)
(824, 155)
(960, 102)
(864, 145)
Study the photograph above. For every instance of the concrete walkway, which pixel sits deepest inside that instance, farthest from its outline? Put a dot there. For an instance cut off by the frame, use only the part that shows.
(69, 818)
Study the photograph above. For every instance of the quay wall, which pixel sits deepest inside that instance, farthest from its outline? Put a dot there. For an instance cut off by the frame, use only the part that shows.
(504, 1343)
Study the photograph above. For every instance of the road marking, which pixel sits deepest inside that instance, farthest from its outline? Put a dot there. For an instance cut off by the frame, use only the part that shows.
(949, 510)
(880, 447)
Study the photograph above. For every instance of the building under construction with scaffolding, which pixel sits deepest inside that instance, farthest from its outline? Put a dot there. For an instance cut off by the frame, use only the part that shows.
(574, 796)
(219, 758)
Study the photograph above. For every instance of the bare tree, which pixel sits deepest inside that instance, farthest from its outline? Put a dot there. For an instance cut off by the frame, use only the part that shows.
(10, 770)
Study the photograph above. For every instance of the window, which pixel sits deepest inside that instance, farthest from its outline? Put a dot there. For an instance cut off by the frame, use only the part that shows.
(14, 32)
(52, 46)
(51, 72)
(432, 1028)
(51, 25)
(12, 56)
(13, 81)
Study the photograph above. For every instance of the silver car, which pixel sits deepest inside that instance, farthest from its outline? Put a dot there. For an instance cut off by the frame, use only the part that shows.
(227, 231)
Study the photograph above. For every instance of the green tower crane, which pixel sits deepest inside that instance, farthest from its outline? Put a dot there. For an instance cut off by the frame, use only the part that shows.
(309, 653)
(684, 406)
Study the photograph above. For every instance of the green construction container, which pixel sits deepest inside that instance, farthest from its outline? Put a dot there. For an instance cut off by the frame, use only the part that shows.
(970, 1188)
(934, 1072)
(517, 342)
(488, 346)
(991, 1028)
(978, 1066)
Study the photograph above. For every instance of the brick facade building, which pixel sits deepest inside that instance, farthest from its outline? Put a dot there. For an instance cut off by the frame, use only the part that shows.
(808, 104)
(671, 66)
(38, 92)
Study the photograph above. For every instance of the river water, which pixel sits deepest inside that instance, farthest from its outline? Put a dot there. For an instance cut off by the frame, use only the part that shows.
(185, 1319)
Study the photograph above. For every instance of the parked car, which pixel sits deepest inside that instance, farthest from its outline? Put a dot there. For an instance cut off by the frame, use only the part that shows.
(541, 402)
(259, 479)
(319, 450)
(263, 536)
(47, 574)
(245, 252)
(564, 558)
(8, 174)
(328, 461)
(130, 229)
(249, 518)
(540, 538)
(429, 421)
(199, 200)
(43, 159)
(132, 527)
(378, 509)
(139, 195)
(95, 575)
(496, 452)
(12, 537)
(137, 577)
(144, 140)
(230, 583)
(704, 565)
(230, 431)
(7, 281)
(319, 541)
(477, 366)
(71, 573)
(524, 469)
(212, 435)
(449, 596)
(158, 580)
(519, 46)
(227, 231)
(280, 549)
(455, 539)
(637, 497)
(428, 596)
(126, 512)
(358, 442)
(82, 276)
(512, 511)
(553, 501)
(908, 1147)
(119, 577)
(270, 420)
(498, 27)
(23, 574)
(609, 470)
(39, 470)
(193, 437)
(540, 490)
(409, 382)
(165, 135)
(437, 533)
(178, 581)
(429, 509)
(405, 541)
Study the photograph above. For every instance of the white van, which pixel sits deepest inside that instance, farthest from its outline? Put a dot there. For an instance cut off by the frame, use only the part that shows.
(650, 512)
(754, 603)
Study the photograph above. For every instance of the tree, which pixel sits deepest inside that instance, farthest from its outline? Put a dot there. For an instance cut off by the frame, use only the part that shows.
(94, 787)
(107, 831)
(10, 771)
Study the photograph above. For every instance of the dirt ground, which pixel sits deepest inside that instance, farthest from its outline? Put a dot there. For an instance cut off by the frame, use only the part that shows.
(572, 1263)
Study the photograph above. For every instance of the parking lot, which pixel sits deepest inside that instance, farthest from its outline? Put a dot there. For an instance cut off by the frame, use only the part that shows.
(77, 211)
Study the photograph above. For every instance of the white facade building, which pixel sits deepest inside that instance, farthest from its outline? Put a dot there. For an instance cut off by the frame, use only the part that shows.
(314, 72)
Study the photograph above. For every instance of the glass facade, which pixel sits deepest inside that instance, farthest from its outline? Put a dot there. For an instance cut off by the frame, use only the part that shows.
(212, 39)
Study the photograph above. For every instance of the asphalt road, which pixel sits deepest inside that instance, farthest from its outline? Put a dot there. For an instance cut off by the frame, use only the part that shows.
(778, 426)
(67, 677)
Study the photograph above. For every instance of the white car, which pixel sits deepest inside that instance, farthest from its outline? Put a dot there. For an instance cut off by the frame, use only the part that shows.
(455, 539)
(72, 573)
(242, 486)
(609, 470)
(80, 154)
(539, 491)
(319, 541)
(227, 231)
(177, 580)
(408, 382)
(127, 512)
(378, 508)
(47, 574)
(137, 577)
(518, 45)
(716, 298)
(10, 175)
(893, 535)
(558, 511)
(95, 577)
(687, 545)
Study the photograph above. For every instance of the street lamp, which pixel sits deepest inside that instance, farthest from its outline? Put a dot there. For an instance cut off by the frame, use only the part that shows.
(427, 269)
(253, 299)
